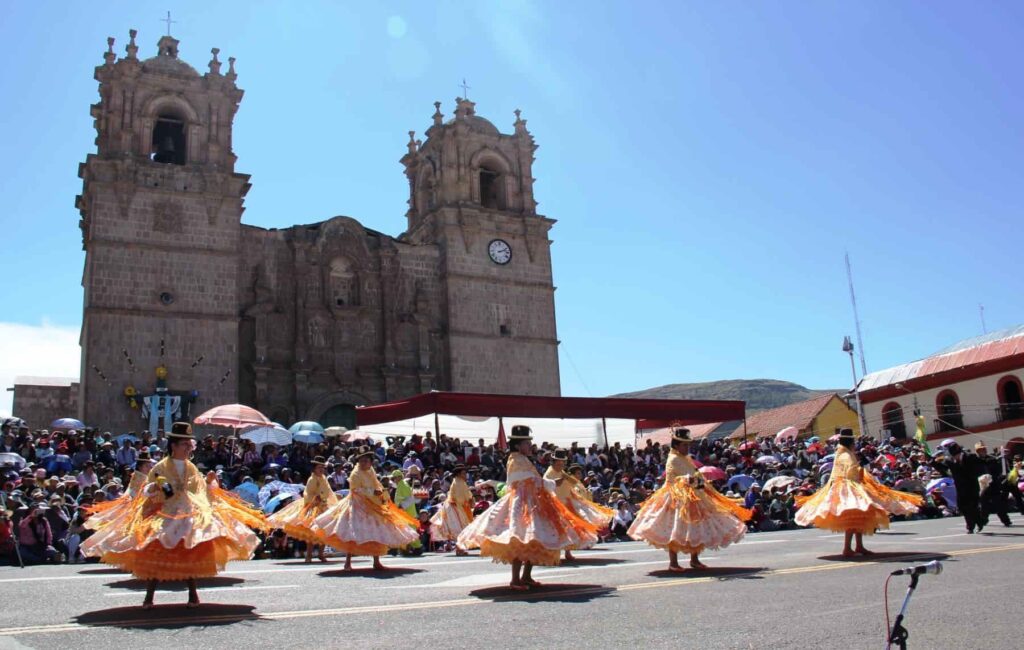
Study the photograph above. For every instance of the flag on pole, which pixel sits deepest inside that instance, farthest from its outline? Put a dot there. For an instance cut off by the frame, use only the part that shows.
(920, 436)
(502, 440)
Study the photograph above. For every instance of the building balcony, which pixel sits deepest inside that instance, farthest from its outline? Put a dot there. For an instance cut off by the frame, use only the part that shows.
(948, 422)
(951, 425)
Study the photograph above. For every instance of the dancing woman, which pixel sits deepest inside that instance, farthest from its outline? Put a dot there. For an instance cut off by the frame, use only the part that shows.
(570, 492)
(367, 521)
(687, 515)
(174, 533)
(298, 518)
(852, 501)
(528, 525)
(455, 513)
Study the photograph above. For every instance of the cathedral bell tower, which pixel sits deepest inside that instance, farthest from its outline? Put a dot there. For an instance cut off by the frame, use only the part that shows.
(161, 206)
(471, 194)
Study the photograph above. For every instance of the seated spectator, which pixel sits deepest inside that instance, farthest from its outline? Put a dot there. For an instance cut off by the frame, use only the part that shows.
(35, 539)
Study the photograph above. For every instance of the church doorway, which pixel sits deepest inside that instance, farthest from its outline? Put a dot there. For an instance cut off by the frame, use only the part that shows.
(339, 415)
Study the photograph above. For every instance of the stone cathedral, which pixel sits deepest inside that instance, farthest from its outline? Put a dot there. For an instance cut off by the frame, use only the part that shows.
(185, 302)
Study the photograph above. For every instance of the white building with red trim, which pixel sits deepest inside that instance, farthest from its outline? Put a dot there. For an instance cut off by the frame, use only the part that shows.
(972, 391)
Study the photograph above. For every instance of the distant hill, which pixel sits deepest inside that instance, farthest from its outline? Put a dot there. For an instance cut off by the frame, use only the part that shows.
(759, 394)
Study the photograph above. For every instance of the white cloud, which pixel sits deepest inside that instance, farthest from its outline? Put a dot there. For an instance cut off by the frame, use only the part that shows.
(44, 350)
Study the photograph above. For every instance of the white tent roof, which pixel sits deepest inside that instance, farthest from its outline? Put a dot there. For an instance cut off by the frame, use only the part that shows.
(560, 432)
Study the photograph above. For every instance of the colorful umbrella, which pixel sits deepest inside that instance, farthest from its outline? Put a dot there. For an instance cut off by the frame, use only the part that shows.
(248, 491)
(815, 448)
(236, 416)
(67, 423)
(58, 463)
(779, 482)
(276, 501)
(272, 434)
(945, 487)
(12, 459)
(337, 432)
(766, 460)
(813, 439)
(743, 481)
(308, 437)
(747, 446)
(712, 473)
(306, 425)
(789, 433)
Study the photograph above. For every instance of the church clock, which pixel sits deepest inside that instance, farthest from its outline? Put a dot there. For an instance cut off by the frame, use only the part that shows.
(500, 251)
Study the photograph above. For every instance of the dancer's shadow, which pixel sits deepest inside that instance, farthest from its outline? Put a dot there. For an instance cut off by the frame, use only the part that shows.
(368, 572)
(718, 573)
(314, 563)
(879, 556)
(892, 533)
(560, 592)
(169, 617)
(101, 572)
(1002, 534)
(591, 561)
(135, 584)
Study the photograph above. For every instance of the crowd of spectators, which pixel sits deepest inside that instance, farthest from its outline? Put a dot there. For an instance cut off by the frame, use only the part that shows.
(44, 499)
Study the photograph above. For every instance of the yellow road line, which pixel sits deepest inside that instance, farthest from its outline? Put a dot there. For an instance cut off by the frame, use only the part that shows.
(464, 602)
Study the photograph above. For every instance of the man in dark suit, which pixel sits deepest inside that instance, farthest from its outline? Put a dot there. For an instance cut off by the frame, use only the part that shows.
(994, 498)
(964, 468)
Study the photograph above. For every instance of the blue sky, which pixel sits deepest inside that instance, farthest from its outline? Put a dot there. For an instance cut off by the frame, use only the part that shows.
(708, 163)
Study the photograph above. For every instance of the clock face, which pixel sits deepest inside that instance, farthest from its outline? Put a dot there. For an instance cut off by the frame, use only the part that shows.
(500, 251)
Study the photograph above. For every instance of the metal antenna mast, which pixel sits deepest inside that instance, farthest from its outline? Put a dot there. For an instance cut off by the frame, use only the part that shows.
(856, 317)
(981, 310)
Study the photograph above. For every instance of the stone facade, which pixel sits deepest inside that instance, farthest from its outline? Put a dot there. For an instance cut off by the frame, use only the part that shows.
(302, 322)
(41, 400)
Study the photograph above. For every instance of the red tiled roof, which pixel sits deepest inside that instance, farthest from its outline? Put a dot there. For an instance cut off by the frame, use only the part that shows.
(697, 431)
(800, 415)
(977, 353)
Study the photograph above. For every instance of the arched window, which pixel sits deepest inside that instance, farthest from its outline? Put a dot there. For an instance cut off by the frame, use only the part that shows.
(344, 284)
(892, 419)
(169, 142)
(947, 405)
(492, 187)
(1011, 398)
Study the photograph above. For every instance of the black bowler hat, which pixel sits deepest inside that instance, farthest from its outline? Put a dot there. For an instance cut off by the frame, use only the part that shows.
(559, 454)
(520, 432)
(681, 435)
(182, 431)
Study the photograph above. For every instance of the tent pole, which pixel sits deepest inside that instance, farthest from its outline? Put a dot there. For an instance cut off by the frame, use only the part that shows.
(744, 427)
(604, 429)
(437, 427)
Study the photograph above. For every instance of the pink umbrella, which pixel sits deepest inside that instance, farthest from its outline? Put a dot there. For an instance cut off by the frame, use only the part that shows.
(235, 416)
(712, 473)
(789, 433)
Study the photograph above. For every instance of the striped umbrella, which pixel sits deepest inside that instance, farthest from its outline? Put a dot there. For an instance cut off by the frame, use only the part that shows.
(236, 416)
(272, 434)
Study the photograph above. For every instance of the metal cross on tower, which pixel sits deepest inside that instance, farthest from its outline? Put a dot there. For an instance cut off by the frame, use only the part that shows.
(169, 22)
(465, 89)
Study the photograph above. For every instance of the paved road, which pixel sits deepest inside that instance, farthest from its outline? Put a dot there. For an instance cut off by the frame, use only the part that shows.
(774, 590)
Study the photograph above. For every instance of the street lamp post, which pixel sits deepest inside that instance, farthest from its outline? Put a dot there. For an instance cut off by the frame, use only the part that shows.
(848, 348)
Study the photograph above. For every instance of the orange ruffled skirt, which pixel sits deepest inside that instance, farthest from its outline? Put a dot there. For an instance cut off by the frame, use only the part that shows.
(359, 525)
(159, 545)
(229, 504)
(593, 513)
(528, 524)
(298, 520)
(842, 506)
(682, 519)
(450, 520)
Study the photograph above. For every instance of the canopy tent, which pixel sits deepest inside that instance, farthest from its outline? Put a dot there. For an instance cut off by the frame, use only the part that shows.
(561, 420)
